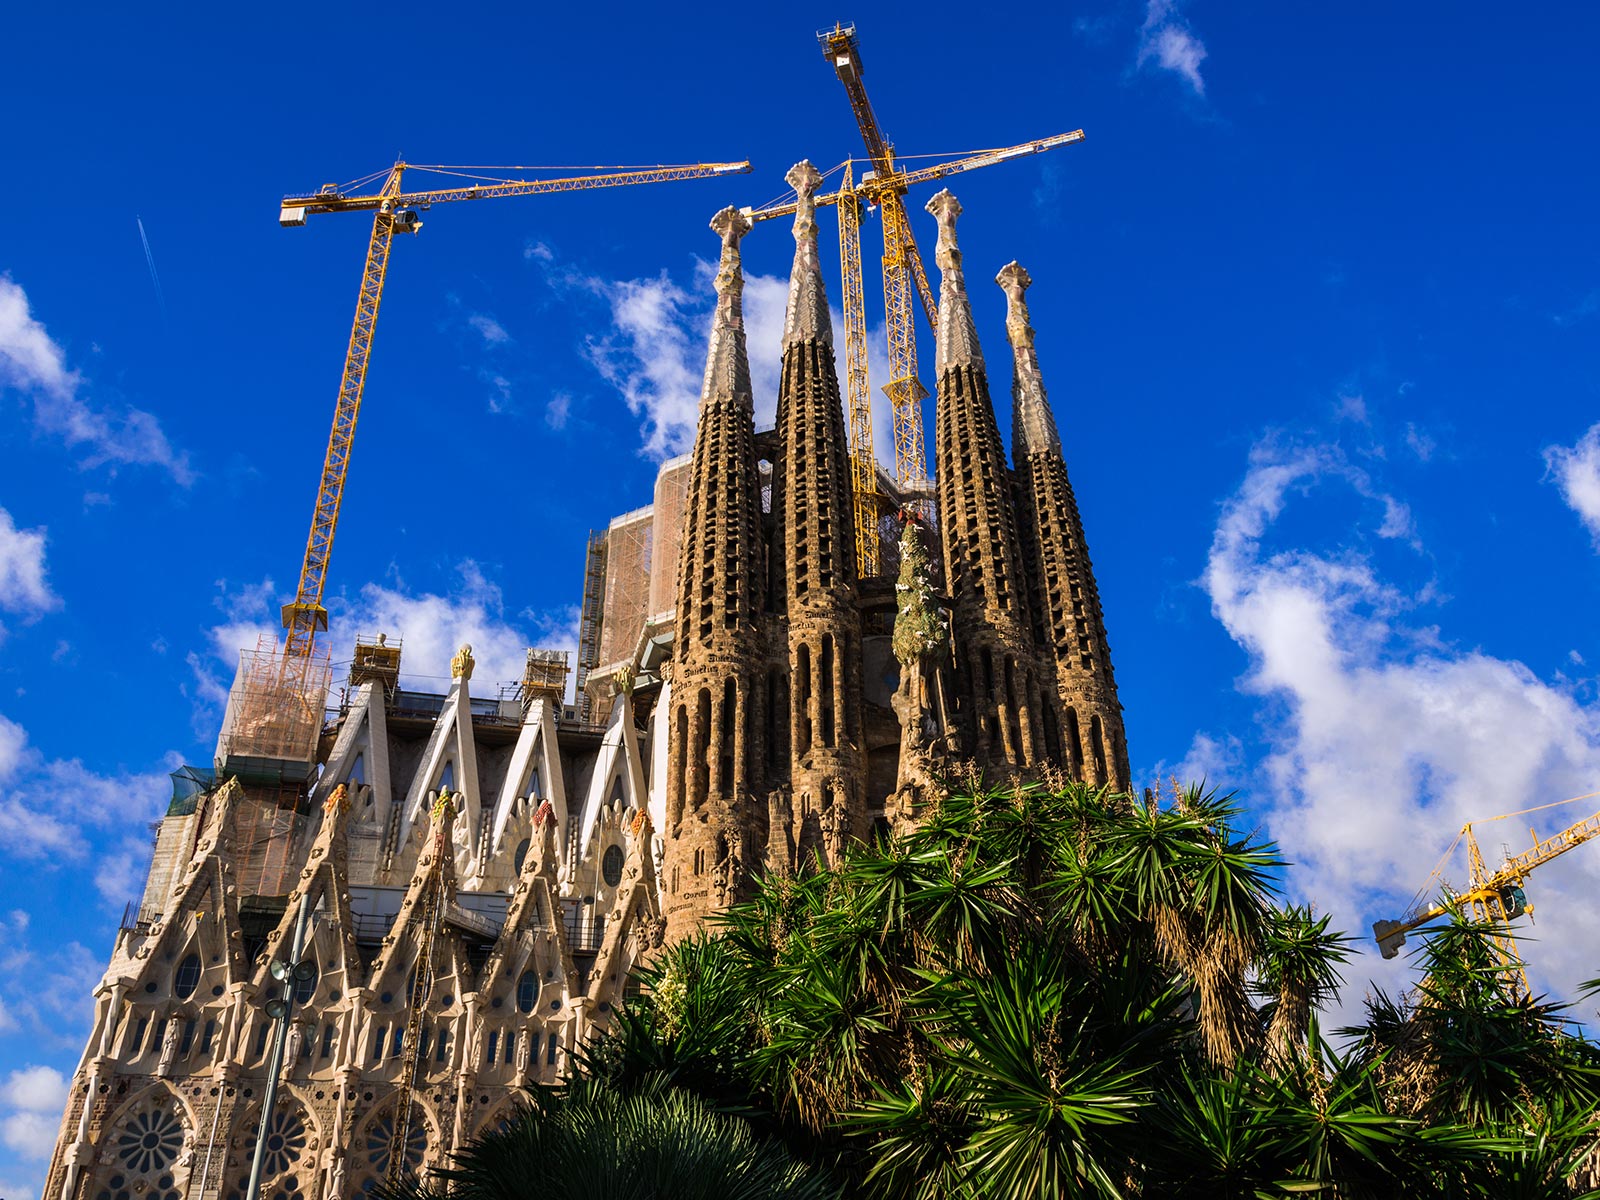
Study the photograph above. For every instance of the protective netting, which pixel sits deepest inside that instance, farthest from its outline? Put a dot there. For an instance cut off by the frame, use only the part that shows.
(276, 707)
(627, 604)
(672, 490)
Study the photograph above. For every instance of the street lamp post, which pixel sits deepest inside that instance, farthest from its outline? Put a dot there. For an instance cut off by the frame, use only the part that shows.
(288, 974)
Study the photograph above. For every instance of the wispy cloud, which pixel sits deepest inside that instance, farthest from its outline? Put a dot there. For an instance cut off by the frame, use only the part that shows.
(654, 352)
(31, 1100)
(1576, 471)
(557, 411)
(58, 811)
(1167, 43)
(494, 333)
(432, 625)
(33, 362)
(1383, 738)
(24, 588)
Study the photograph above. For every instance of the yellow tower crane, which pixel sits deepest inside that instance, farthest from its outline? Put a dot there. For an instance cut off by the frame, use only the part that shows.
(905, 393)
(884, 187)
(1495, 898)
(395, 210)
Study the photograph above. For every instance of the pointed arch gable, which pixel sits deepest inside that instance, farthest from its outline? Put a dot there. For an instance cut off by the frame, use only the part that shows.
(364, 739)
(205, 892)
(618, 760)
(324, 880)
(451, 744)
(536, 753)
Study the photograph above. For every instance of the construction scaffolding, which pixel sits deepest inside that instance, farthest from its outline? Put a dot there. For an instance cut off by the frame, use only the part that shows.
(672, 491)
(275, 710)
(544, 677)
(627, 595)
(590, 620)
(376, 658)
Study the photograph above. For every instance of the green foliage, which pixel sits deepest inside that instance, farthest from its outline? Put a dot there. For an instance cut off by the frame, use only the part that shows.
(1063, 992)
(650, 1142)
(919, 625)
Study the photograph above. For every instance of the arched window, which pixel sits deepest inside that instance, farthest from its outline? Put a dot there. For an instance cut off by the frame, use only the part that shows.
(611, 865)
(187, 977)
(447, 778)
(358, 771)
(527, 992)
(520, 857)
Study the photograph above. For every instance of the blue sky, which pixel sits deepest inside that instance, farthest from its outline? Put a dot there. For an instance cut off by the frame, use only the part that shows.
(1318, 303)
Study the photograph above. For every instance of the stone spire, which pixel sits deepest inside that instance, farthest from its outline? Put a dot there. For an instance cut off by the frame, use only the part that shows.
(728, 363)
(1065, 600)
(1033, 427)
(957, 338)
(1004, 700)
(717, 707)
(807, 317)
(819, 745)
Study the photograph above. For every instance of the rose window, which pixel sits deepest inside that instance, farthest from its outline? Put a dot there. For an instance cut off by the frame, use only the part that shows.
(380, 1137)
(150, 1141)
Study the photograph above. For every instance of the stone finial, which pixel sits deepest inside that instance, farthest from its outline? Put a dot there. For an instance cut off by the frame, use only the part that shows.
(1033, 427)
(807, 316)
(957, 338)
(461, 665)
(727, 363)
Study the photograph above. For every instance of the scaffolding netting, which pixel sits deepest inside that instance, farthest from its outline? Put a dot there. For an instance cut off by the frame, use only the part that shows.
(276, 707)
(672, 490)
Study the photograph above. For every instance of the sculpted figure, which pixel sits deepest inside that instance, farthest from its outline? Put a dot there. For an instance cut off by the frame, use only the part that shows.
(169, 1045)
(523, 1051)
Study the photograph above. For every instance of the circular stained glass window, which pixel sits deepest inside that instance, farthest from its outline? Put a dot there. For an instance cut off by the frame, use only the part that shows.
(150, 1141)
(380, 1136)
(611, 865)
(286, 1142)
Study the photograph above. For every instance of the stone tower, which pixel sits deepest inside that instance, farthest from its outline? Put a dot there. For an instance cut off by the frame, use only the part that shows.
(1066, 602)
(1010, 716)
(815, 546)
(716, 767)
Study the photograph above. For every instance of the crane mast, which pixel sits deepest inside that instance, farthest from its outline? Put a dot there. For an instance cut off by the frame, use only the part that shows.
(850, 198)
(903, 276)
(396, 211)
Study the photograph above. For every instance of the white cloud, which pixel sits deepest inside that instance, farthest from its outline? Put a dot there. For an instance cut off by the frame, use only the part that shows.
(1166, 40)
(431, 625)
(35, 1089)
(30, 1134)
(23, 587)
(494, 333)
(1576, 470)
(33, 362)
(1383, 739)
(53, 809)
(655, 353)
(558, 410)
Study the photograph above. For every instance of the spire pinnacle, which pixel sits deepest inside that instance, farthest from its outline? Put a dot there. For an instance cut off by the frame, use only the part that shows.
(958, 339)
(728, 364)
(807, 317)
(1033, 427)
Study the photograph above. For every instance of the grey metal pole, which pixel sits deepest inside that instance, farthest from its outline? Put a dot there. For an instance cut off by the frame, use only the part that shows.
(269, 1098)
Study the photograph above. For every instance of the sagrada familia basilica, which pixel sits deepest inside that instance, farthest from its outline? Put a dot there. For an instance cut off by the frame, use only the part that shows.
(748, 705)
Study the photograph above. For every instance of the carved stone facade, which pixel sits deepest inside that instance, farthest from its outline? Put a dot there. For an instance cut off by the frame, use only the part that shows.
(551, 900)
(1066, 601)
(780, 710)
